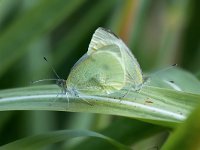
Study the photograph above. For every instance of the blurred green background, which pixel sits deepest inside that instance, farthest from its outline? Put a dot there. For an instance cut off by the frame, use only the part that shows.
(159, 33)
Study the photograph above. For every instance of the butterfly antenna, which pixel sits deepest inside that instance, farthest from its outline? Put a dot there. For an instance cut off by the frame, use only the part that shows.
(33, 82)
(165, 69)
(130, 78)
(52, 68)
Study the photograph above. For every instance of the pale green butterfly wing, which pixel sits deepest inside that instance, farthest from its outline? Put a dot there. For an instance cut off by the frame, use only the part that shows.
(99, 73)
(103, 37)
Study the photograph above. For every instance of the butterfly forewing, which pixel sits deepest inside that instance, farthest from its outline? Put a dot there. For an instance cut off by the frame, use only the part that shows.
(101, 72)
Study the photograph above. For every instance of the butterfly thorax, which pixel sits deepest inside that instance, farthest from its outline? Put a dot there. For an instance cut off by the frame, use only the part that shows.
(62, 84)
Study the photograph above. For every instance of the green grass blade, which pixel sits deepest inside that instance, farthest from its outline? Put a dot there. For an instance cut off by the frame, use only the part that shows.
(43, 140)
(187, 136)
(42, 97)
(131, 131)
(158, 105)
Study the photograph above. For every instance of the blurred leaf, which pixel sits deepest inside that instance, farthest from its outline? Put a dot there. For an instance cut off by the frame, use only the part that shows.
(43, 140)
(198, 75)
(187, 136)
(79, 31)
(38, 21)
(173, 21)
(139, 22)
(190, 38)
(125, 130)
(5, 117)
(7, 8)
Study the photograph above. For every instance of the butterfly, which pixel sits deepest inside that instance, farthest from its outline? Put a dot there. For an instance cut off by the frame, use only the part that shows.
(107, 67)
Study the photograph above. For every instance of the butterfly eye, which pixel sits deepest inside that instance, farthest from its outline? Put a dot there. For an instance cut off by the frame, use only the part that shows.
(61, 83)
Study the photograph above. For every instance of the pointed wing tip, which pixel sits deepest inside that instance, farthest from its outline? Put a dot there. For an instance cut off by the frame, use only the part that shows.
(106, 31)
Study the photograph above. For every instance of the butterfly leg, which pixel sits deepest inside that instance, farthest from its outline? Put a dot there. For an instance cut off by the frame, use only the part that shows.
(127, 92)
(67, 100)
(76, 94)
(59, 93)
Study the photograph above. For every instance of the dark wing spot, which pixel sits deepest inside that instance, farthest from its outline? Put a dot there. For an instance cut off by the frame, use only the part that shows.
(109, 31)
